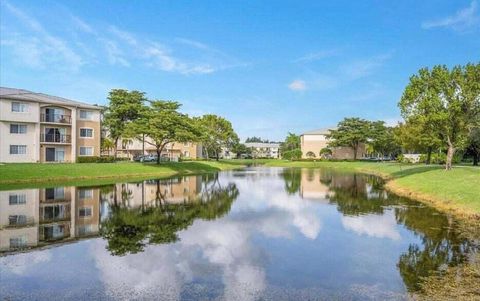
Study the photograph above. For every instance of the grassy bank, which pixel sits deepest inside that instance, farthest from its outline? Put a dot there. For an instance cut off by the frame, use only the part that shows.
(457, 190)
(18, 173)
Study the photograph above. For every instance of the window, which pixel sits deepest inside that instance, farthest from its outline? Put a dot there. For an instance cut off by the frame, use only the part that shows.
(17, 220)
(18, 149)
(85, 193)
(88, 115)
(86, 133)
(19, 107)
(17, 199)
(18, 242)
(85, 212)
(18, 128)
(86, 151)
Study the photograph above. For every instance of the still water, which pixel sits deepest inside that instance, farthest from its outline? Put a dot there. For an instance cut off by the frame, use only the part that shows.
(253, 234)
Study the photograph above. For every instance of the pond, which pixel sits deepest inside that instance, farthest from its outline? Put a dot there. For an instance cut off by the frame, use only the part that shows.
(252, 234)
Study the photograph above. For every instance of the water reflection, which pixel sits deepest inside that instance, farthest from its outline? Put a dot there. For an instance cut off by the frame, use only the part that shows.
(369, 210)
(260, 233)
(127, 215)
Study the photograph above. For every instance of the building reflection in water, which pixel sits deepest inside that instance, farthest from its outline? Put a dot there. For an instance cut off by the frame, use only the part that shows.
(39, 217)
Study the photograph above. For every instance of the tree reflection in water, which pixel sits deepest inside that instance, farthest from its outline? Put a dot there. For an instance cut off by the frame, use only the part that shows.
(129, 230)
(443, 244)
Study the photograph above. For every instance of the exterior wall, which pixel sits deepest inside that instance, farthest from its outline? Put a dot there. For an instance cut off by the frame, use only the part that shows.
(32, 114)
(30, 139)
(36, 127)
(314, 143)
(89, 142)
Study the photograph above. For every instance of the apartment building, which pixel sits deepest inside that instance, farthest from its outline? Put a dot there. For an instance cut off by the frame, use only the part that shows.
(134, 147)
(264, 150)
(36, 127)
(313, 142)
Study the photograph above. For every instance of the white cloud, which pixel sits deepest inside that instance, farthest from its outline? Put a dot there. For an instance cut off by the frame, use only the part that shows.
(33, 46)
(21, 264)
(39, 48)
(297, 85)
(315, 56)
(380, 226)
(463, 20)
(365, 67)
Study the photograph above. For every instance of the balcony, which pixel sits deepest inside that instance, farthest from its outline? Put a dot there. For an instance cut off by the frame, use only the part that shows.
(55, 138)
(56, 118)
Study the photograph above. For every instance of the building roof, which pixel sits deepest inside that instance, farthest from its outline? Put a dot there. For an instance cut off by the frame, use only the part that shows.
(20, 94)
(262, 144)
(324, 131)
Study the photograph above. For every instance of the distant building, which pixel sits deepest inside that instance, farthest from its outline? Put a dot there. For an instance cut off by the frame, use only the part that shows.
(36, 127)
(313, 141)
(264, 150)
(175, 150)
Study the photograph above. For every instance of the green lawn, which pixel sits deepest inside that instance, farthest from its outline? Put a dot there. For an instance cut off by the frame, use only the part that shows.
(457, 189)
(33, 172)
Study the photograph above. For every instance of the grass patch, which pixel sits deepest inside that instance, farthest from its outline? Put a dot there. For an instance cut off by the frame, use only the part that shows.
(17, 173)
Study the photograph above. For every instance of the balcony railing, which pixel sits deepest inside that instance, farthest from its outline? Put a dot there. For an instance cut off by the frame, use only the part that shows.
(55, 138)
(56, 118)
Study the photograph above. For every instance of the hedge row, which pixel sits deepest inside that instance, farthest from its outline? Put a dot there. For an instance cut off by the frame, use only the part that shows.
(100, 159)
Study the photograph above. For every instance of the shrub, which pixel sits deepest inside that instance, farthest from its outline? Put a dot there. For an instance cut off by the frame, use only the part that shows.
(293, 154)
(101, 159)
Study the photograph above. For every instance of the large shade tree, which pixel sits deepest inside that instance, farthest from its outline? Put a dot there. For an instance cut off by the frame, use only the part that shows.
(123, 107)
(217, 133)
(445, 101)
(162, 123)
(352, 132)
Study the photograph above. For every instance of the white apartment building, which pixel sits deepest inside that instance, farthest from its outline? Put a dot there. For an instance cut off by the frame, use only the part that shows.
(36, 127)
(264, 150)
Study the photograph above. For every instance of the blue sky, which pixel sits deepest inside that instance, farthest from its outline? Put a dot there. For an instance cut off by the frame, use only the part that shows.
(268, 66)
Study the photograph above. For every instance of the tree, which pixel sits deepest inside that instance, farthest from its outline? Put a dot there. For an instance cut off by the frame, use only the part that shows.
(350, 132)
(124, 107)
(162, 124)
(444, 101)
(415, 136)
(382, 139)
(473, 148)
(255, 139)
(241, 149)
(326, 153)
(106, 144)
(291, 142)
(217, 133)
(293, 154)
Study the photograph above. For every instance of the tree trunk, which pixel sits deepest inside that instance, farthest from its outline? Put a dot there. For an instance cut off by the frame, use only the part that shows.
(115, 148)
(159, 151)
(476, 158)
(450, 153)
(429, 156)
(355, 149)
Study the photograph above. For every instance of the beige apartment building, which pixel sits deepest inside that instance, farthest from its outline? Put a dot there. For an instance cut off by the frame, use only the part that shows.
(134, 147)
(312, 142)
(36, 127)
